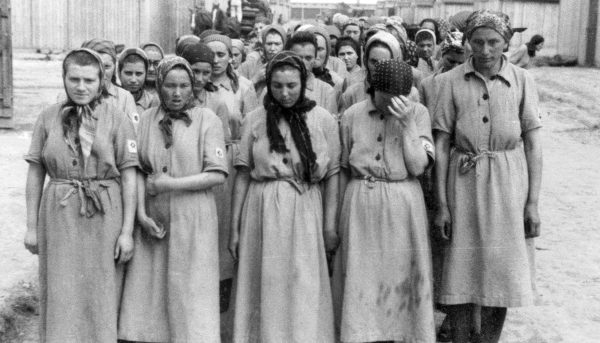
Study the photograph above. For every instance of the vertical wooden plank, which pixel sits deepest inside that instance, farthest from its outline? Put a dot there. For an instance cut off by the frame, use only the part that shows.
(6, 79)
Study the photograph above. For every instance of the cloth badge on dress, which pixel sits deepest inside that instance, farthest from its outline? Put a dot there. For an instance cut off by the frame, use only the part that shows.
(135, 117)
(428, 146)
(132, 146)
(219, 153)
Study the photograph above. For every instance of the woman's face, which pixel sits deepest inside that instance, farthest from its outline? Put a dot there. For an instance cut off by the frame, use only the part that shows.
(488, 46)
(321, 51)
(221, 57)
(286, 86)
(349, 56)
(539, 46)
(382, 100)
(202, 73)
(236, 58)
(154, 58)
(425, 48)
(376, 54)
(109, 67)
(176, 89)
(82, 83)
(133, 76)
(452, 59)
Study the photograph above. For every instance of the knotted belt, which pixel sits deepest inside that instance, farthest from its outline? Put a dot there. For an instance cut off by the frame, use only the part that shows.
(299, 185)
(89, 194)
(370, 180)
(468, 160)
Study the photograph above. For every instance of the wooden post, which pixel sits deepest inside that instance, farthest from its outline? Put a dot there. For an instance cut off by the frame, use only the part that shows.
(6, 79)
(592, 28)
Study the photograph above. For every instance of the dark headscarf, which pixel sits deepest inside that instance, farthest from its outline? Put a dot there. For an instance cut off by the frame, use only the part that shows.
(295, 116)
(183, 41)
(166, 124)
(200, 52)
(393, 77)
(103, 46)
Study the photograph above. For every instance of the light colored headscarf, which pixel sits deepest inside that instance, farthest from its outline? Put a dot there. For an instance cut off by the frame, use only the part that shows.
(385, 38)
(453, 42)
(496, 21)
(165, 66)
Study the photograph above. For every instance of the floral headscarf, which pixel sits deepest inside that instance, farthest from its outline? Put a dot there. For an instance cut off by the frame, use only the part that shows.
(453, 42)
(496, 21)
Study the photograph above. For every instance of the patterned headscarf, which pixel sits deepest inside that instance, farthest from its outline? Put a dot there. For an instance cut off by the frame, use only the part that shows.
(147, 44)
(453, 42)
(444, 28)
(496, 21)
(166, 124)
(393, 77)
(101, 46)
(295, 116)
(386, 38)
(395, 23)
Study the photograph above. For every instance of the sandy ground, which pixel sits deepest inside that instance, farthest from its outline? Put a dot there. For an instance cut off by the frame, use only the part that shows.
(568, 258)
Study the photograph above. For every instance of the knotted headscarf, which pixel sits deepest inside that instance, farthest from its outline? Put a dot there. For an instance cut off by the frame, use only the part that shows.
(393, 77)
(166, 124)
(453, 42)
(158, 47)
(79, 120)
(295, 115)
(496, 21)
(395, 23)
(103, 46)
(142, 55)
(431, 34)
(200, 52)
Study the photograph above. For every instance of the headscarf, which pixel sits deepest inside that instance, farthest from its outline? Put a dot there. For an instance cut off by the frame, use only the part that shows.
(103, 46)
(231, 74)
(183, 41)
(496, 21)
(453, 42)
(79, 119)
(333, 31)
(147, 44)
(424, 32)
(238, 44)
(395, 22)
(207, 33)
(393, 77)
(276, 29)
(200, 52)
(444, 28)
(459, 20)
(295, 116)
(321, 73)
(218, 38)
(141, 54)
(166, 124)
(385, 38)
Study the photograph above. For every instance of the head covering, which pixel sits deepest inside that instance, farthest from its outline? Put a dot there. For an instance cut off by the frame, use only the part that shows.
(183, 41)
(207, 33)
(101, 46)
(333, 31)
(496, 21)
(273, 28)
(166, 124)
(395, 23)
(295, 115)
(238, 44)
(321, 31)
(459, 20)
(453, 42)
(393, 77)
(147, 44)
(385, 38)
(218, 38)
(350, 21)
(444, 28)
(198, 52)
(425, 32)
(133, 51)
(96, 57)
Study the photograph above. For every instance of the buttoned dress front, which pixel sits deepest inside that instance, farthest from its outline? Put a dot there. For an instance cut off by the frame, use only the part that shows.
(80, 282)
(171, 291)
(488, 260)
(382, 275)
(283, 290)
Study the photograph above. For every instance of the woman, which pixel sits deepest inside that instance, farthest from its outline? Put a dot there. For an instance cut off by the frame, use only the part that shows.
(349, 52)
(426, 48)
(281, 226)
(171, 289)
(133, 68)
(238, 53)
(523, 55)
(383, 267)
(488, 175)
(155, 54)
(81, 224)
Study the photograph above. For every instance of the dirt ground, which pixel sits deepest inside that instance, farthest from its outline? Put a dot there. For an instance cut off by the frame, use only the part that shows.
(568, 258)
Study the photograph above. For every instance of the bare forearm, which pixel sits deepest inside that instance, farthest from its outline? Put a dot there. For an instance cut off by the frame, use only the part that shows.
(196, 182)
(128, 194)
(33, 193)
(331, 203)
(415, 156)
(533, 154)
(240, 188)
(141, 193)
(442, 148)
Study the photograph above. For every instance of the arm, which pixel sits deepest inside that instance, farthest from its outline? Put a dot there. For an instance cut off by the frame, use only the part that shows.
(124, 246)
(415, 156)
(240, 188)
(331, 197)
(533, 154)
(442, 219)
(33, 195)
(197, 182)
(147, 223)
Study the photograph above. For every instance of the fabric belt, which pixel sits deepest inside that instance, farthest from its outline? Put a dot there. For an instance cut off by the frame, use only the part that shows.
(299, 185)
(370, 180)
(468, 160)
(89, 191)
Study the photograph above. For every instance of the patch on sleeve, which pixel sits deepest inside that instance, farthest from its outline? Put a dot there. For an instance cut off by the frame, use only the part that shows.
(428, 147)
(219, 153)
(132, 146)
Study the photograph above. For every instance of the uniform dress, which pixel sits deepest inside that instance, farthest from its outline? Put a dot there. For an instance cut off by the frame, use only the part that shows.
(171, 291)
(382, 275)
(123, 100)
(488, 260)
(283, 290)
(146, 101)
(356, 75)
(80, 282)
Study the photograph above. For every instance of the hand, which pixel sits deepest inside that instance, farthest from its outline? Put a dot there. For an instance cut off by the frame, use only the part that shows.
(31, 243)
(442, 224)
(332, 240)
(124, 248)
(151, 227)
(157, 183)
(533, 224)
(234, 243)
(400, 109)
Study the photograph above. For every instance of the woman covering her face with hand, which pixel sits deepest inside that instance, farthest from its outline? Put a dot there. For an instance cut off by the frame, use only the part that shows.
(171, 289)
(282, 223)
(81, 223)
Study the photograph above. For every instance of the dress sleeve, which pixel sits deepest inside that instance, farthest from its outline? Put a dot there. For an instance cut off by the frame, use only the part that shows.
(331, 104)
(332, 137)
(38, 140)
(215, 155)
(249, 100)
(223, 113)
(529, 110)
(345, 140)
(424, 128)
(131, 110)
(444, 114)
(125, 143)
(243, 157)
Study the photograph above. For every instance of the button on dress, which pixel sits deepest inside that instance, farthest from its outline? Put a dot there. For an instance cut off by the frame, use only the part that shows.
(171, 291)
(80, 282)
(283, 289)
(488, 261)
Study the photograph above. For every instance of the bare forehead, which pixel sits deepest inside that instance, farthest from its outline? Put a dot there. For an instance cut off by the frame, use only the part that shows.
(84, 71)
(273, 37)
(486, 33)
(352, 28)
(286, 74)
(176, 75)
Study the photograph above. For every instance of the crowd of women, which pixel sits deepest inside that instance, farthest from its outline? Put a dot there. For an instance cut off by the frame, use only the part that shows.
(333, 184)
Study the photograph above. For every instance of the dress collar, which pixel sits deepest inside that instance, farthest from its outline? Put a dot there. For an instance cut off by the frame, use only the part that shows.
(503, 74)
